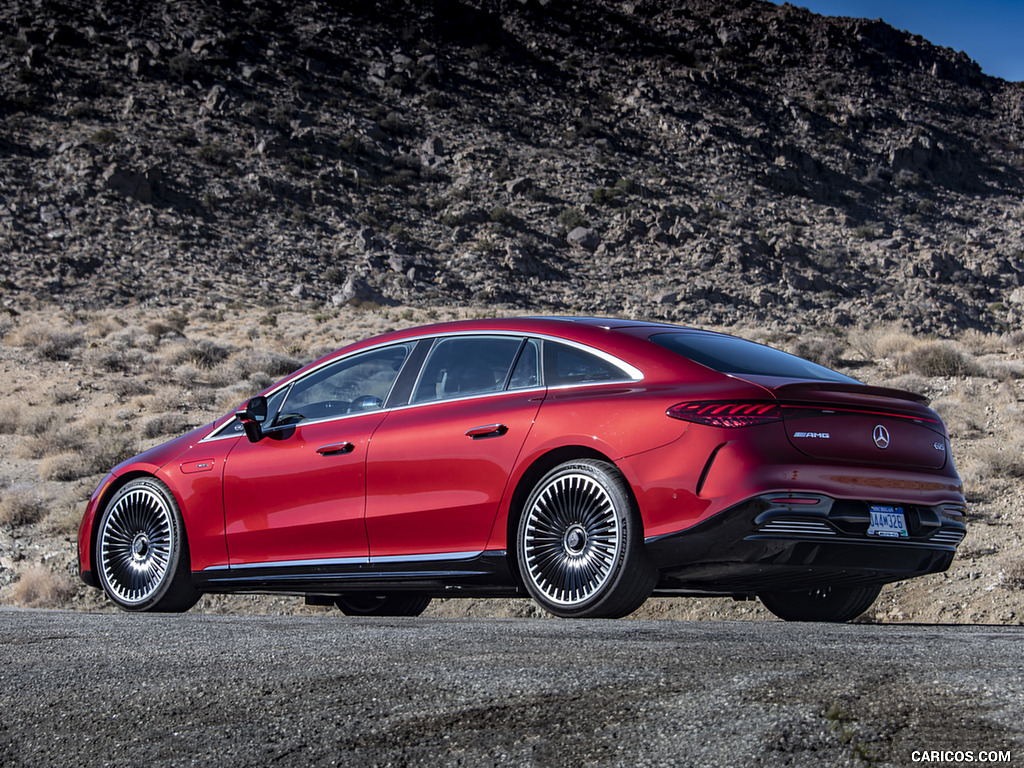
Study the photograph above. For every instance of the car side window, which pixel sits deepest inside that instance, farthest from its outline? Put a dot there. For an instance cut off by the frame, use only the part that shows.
(466, 365)
(526, 374)
(564, 364)
(354, 385)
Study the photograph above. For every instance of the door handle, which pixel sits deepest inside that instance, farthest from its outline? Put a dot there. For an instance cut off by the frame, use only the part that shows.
(335, 449)
(489, 430)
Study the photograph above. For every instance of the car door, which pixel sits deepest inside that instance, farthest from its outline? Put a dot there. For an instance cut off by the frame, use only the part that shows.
(296, 497)
(437, 468)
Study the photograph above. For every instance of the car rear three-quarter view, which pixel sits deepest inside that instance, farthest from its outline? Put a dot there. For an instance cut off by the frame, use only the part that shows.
(586, 463)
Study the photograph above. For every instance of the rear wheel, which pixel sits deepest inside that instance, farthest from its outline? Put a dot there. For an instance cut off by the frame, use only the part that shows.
(394, 604)
(580, 544)
(142, 551)
(821, 604)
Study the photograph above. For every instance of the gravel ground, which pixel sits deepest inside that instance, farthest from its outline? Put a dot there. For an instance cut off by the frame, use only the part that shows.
(200, 689)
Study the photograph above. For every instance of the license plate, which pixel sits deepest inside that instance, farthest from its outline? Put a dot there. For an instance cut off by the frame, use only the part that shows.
(889, 522)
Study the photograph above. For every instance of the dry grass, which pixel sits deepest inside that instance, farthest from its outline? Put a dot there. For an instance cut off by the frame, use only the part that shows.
(880, 342)
(39, 587)
(49, 343)
(10, 417)
(936, 358)
(822, 350)
(164, 424)
(1011, 571)
(22, 506)
(1000, 458)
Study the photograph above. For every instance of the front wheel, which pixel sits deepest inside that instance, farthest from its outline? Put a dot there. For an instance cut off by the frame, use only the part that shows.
(393, 604)
(580, 544)
(142, 550)
(821, 604)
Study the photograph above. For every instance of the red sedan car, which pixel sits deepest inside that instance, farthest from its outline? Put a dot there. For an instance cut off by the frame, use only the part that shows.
(588, 463)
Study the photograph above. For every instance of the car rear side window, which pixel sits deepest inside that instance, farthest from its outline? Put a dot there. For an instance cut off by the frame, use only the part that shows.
(729, 354)
(564, 364)
(462, 366)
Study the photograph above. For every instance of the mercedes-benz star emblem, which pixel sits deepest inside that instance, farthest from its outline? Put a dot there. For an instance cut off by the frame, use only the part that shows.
(881, 436)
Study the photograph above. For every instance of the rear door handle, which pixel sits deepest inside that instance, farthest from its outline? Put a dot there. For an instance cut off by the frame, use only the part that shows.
(489, 430)
(335, 449)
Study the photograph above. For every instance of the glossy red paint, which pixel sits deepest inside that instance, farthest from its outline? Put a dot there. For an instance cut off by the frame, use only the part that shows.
(432, 488)
(284, 500)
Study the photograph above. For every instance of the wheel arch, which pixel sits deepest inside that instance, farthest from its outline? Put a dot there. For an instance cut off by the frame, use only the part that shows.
(529, 479)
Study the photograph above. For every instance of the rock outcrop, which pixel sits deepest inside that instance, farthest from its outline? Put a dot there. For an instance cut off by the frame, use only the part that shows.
(702, 162)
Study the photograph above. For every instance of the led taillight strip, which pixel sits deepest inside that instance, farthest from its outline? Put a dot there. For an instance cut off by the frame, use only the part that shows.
(726, 414)
(730, 414)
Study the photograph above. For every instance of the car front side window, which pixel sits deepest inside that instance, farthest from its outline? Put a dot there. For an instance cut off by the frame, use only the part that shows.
(357, 384)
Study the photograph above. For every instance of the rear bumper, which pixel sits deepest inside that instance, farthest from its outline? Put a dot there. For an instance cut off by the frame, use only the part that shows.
(766, 544)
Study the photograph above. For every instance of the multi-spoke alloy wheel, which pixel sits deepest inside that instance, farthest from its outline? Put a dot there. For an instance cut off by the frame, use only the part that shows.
(141, 550)
(579, 544)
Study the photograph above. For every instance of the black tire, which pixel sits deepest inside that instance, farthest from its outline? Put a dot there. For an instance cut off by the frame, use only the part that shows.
(580, 543)
(822, 604)
(394, 604)
(142, 550)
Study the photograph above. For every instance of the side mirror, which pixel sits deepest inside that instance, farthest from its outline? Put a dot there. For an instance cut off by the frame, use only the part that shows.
(253, 415)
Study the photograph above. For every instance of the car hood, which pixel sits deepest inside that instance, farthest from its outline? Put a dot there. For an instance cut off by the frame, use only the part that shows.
(158, 456)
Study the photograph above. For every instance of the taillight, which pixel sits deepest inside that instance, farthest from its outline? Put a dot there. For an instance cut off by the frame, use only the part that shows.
(728, 414)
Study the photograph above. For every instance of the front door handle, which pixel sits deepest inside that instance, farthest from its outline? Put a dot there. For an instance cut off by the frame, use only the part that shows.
(335, 449)
(489, 430)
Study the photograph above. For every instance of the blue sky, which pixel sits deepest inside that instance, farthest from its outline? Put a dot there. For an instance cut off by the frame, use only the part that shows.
(989, 31)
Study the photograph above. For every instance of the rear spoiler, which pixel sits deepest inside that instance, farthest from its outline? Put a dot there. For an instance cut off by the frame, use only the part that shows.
(803, 387)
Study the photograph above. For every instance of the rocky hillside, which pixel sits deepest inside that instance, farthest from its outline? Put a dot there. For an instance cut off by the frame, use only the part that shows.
(705, 161)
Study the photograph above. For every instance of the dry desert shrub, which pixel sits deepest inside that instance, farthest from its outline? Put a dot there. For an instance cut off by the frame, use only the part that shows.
(10, 417)
(95, 457)
(49, 343)
(879, 342)
(170, 423)
(132, 337)
(39, 587)
(64, 467)
(995, 366)
(59, 438)
(910, 382)
(963, 412)
(64, 519)
(819, 349)
(100, 326)
(22, 506)
(999, 458)
(1011, 572)
(936, 358)
(204, 354)
(36, 421)
(117, 360)
(247, 362)
(131, 386)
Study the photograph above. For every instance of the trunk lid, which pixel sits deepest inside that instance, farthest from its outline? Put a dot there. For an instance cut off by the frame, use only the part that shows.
(862, 424)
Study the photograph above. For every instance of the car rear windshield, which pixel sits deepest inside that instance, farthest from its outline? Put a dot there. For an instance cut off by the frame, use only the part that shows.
(728, 354)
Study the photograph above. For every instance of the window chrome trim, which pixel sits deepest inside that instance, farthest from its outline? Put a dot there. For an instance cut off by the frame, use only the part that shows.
(633, 374)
